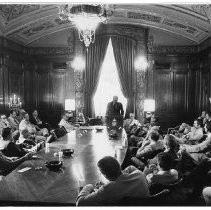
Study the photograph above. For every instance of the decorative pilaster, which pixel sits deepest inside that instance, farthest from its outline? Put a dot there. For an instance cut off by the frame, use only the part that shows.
(79, 80)
(140, 83)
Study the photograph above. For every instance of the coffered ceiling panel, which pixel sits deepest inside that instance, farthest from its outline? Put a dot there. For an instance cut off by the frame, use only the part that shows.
(27, 23)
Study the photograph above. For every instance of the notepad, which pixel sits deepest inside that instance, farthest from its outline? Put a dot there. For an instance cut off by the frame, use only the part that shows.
(24, 169)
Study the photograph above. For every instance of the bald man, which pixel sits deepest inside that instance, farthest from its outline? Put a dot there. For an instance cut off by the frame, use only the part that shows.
(114, 107)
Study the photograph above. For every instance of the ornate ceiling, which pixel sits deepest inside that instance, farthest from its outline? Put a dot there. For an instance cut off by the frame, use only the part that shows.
(26, 23)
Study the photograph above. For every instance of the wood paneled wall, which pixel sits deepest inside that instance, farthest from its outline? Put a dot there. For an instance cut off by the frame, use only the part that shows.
(169, 83)
(179, 83)
(42, 82)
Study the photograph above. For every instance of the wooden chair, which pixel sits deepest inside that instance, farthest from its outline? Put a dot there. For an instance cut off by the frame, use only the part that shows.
(153, 200)
(154, 188)
(95, 121)
(59, 132)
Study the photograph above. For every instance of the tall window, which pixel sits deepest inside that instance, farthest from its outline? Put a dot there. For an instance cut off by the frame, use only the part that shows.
(108, 85)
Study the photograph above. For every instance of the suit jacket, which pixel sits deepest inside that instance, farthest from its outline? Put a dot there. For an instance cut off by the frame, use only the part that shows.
(131, 183)
(115, 109)
(13, 123)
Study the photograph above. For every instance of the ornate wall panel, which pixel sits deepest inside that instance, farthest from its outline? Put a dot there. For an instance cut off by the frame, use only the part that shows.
(79, 80)
(140, 82)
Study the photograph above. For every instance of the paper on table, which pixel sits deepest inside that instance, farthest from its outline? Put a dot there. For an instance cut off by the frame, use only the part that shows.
(24, 169)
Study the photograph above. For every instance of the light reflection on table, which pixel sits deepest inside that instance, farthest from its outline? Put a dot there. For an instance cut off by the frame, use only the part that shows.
(62, 187)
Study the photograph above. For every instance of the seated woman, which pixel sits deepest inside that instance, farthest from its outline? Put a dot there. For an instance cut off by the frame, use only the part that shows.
(163, 174)
(8, 147)
(9, 164)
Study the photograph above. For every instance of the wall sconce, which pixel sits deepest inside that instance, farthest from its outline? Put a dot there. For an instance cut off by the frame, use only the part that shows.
(141, 63)
(69, 105)
(210, 100)
(149, 105)
(78, 63)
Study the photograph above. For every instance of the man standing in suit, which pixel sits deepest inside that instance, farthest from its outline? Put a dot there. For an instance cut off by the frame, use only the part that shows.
(114, 107)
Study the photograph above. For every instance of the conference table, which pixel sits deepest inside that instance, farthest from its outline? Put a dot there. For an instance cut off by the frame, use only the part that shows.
(62, 187)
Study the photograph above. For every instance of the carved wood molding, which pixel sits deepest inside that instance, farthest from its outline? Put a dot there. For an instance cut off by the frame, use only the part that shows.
(172, 49)
(130, 31)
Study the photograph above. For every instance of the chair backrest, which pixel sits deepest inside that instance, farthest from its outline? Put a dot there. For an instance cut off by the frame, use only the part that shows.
(153, 200)
(154, 188)
(59, 132)
(95, 121)
(152, 154)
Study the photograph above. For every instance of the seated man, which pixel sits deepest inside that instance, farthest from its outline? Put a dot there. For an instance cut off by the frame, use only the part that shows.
(36, 121)
(130, 123)
(146, 138)
(150, 145)
(81, 119)
(181, 130)
(130, 182)
(208, 117)
(197, 151)
(9, 164)
(4, 123)
(163, 174)
(194, 136)
(25, 124)
(171, 147)
(20, 114)
(203, 117)
(64, 122)
(153, 121)
(13, 120)
(8, 147)
(207, 195)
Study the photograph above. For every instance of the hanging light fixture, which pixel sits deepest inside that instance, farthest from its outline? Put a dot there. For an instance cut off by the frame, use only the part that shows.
(86, 17)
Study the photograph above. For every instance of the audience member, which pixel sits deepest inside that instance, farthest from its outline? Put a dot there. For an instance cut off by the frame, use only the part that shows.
(153, 121)
(197, 151)
(81, 119)
(13, 120)
(130, 182)
(21, 113)
(207, 195)
(149, 146)
(130, 123)
(9, 164)
(64, 122)
(163, 174)
(181, 130)
(203, 117)
(36, 121)
(4, 123)
(194, 136)
(208, 117)
(40, 127)
(25, 124)
(171, 147)
(8, 147)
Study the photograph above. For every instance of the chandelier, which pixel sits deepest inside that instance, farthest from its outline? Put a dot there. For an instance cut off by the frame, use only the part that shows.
(15, 102)
(86, 17)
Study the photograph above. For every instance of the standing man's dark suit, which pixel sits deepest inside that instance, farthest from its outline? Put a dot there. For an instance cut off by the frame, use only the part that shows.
(114, 109)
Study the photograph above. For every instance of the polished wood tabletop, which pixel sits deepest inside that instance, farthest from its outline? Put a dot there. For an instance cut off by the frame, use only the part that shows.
(62, 186)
